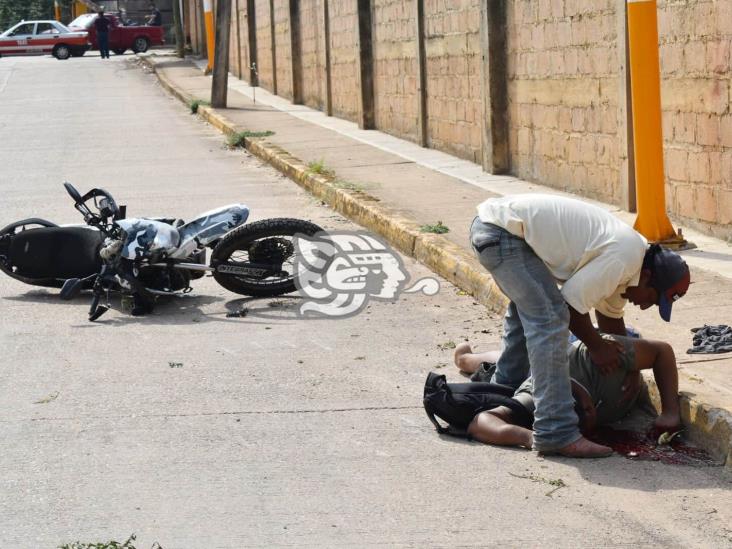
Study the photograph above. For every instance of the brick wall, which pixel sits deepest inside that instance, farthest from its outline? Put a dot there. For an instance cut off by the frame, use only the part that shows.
(695, 40)
(454, 96)
(564, 88)
(344, 58)
(395, 67)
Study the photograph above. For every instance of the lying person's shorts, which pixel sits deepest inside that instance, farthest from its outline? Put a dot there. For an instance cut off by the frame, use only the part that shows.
(606, 391)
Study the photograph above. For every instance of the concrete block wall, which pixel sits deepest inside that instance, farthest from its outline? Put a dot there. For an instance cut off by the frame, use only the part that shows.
(453, 81)
(696, 73)
(264, 45)
(344, 58)
(313, 54)
(566, 86)
(282, 48)
(563, 72)
(395, 67)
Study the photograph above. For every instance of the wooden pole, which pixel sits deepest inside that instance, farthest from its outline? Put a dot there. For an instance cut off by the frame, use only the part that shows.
(367, 120)
(328, 81)
(422, 75)
(494, 81)
(180, 46)
(220, 83)
(274, 46)
(252, 37)
(295, 52)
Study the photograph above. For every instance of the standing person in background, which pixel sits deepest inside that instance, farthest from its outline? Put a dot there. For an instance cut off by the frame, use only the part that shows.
(101, 24)
(156, 18)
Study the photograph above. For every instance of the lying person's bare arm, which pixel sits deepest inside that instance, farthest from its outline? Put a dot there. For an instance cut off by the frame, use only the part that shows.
(660, 356)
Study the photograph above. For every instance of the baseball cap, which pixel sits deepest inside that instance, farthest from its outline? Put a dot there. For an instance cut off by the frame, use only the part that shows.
(670, 277)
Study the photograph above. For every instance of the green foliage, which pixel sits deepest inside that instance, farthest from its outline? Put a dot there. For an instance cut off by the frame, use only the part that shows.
(105, 545)
(437, 228)
(194, 104)
(108, 544)
(343, 184)
(238, 139)
(14, 11)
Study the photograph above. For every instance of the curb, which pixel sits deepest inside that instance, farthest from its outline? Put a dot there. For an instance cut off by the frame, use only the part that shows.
(436, 252)
(709, 427)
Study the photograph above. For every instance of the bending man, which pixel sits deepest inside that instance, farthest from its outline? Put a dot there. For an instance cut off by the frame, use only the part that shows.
(531, 243)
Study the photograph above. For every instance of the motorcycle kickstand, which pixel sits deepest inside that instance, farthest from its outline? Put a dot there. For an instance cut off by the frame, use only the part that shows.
(97, 310)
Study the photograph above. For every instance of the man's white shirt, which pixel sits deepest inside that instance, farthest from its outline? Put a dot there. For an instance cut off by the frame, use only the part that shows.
(590, 252)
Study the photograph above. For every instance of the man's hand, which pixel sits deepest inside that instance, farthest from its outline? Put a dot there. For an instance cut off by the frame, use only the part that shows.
(606, 355)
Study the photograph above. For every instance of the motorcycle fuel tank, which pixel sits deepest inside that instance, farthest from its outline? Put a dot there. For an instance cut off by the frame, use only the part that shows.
(146, 236)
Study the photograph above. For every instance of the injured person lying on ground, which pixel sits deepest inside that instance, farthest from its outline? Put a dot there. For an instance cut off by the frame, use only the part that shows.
(599, 399)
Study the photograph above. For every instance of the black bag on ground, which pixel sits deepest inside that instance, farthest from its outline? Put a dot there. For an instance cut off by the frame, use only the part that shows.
(458, 403)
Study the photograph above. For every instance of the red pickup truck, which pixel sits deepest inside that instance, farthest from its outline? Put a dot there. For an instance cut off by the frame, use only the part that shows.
(121, 37)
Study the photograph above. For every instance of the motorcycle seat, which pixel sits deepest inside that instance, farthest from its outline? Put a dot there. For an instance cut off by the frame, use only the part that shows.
(56, 252)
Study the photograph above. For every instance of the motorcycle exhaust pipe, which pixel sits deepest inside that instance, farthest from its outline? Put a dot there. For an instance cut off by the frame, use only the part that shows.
(185, 266)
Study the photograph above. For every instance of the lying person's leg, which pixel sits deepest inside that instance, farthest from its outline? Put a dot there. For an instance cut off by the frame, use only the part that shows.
(469, 362)
(660, 356)
(495, 427)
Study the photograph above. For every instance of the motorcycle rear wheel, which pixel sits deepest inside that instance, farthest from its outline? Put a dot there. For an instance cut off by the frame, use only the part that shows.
(269, 240)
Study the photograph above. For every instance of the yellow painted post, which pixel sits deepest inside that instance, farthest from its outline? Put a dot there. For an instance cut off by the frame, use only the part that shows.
(210, 41)
(79, 8)
(57, 10)
(645, 89)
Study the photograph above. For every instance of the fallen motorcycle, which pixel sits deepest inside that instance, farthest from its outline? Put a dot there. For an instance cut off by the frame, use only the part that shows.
(143, 258)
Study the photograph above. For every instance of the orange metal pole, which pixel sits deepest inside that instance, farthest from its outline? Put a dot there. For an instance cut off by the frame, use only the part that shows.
(208, 18)
(645, 84)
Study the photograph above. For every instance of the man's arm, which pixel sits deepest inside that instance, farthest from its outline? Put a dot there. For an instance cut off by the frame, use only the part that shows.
(605, 353)
(609, 325)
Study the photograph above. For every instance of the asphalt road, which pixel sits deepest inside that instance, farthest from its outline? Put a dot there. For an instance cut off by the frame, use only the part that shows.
(197, 430)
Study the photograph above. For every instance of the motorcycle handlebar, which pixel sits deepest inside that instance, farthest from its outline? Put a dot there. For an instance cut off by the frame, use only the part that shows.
(108, 208)
(72, 192)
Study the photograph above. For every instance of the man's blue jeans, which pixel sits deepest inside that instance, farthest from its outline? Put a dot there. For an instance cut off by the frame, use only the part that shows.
(535, 332)
(103, 43)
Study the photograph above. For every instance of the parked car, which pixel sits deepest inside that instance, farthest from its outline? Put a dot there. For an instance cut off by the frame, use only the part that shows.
(121, 37)
(42, 37)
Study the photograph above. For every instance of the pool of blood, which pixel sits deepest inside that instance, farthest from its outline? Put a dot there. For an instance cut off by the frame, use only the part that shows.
(644, 446)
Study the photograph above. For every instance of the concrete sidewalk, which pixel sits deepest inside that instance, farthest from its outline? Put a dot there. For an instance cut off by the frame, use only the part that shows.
(393, 187)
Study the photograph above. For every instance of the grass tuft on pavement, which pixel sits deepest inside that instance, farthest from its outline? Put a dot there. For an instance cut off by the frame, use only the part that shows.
(239, 139)
(195, 103)
(319, 167)
(437, 228)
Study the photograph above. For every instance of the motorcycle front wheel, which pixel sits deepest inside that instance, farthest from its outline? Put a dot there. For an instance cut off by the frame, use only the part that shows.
(258, 259)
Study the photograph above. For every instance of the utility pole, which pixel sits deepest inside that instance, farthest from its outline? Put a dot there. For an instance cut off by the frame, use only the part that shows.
(220, 82)
(178, 26)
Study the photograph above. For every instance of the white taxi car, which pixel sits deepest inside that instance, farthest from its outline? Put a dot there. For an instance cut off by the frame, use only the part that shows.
(42, 37)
